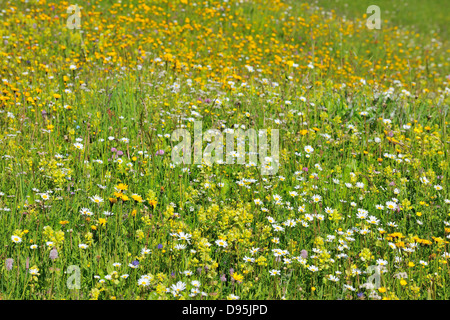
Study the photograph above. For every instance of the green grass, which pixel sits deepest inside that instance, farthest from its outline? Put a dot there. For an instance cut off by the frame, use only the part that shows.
(373, 104)
(425, 17)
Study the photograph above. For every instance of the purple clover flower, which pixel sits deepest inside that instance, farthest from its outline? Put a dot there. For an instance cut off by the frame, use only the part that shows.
(9, 264)
(304, 254)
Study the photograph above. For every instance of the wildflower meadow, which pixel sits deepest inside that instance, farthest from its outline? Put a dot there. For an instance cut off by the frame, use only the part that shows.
(224, 150)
